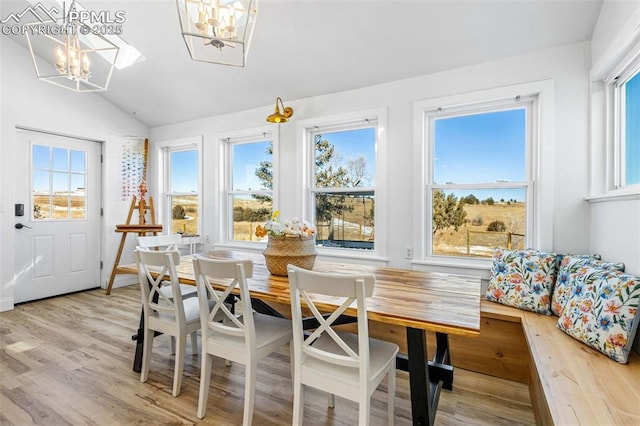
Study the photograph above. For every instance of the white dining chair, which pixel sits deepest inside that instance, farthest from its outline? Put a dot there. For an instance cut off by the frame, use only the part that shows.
(244, 337)
(344, 364)
(167, 242)
(171, 315)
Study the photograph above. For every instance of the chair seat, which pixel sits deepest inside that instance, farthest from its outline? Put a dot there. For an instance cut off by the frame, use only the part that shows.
(269, 329)
(380, 353)
(185, 289)
(191, 310)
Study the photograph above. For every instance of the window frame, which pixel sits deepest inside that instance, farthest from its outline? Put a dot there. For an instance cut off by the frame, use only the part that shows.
(343, 122)
(617, 65)
(166, 148)
(475, 109)
(228, 139)
(616, 102)
(539, 150)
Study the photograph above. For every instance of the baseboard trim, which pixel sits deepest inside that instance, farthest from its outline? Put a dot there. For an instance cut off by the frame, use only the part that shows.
(6, 304)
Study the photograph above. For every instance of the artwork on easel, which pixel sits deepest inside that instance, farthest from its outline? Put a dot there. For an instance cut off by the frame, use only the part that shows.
(133, 169)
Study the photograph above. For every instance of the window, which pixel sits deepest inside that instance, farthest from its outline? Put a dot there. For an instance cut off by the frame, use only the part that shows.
(627, 93)
(183, 189)
(250, 182)
(343, 184)
(478, 182)
(58, 184)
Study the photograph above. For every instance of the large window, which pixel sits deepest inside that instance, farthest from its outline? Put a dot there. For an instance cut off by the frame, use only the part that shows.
(342, 183)
(250, 181)
(183, 189)
(478, 186)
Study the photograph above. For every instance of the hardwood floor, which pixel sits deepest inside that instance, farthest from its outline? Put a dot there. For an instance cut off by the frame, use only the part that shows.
(67, 361)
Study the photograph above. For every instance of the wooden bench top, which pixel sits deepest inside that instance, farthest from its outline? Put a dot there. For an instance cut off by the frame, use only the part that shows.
(581, 386)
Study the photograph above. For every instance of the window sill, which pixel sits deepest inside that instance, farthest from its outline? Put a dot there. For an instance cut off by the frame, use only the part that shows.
(617, 195)
(351, 255)
(256, 247)
(478, 267)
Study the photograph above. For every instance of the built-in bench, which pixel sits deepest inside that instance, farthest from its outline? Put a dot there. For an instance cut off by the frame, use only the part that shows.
(569, 382)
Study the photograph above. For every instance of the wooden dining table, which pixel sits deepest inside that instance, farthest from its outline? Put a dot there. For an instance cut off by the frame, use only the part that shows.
(416, 300)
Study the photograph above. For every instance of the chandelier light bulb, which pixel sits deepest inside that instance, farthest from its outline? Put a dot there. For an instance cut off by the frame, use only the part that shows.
(61, 62)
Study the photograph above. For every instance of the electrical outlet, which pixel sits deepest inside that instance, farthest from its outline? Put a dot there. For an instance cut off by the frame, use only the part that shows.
(408, 252)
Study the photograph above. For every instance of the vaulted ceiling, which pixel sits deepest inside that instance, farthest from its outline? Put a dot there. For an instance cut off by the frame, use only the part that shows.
(304, 48)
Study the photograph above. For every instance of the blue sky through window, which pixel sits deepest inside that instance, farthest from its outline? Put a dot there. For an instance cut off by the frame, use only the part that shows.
(482, 148)
(184, 171)
(246, 159)
(632, 131)
(352, 144)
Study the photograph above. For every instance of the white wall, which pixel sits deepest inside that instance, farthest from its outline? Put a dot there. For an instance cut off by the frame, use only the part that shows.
(25, 101)
(615, 223)
(567, 66)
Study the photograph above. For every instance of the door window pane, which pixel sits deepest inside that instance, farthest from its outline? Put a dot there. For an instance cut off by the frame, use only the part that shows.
(41, 157)
(77, 161)
(60, 159)
(77, 198)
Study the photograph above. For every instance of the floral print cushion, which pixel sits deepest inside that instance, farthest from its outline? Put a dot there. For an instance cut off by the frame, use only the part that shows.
(603, 311)
(571, 267)
(523, 279)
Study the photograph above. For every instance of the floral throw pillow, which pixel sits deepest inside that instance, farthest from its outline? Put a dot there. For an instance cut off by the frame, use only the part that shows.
(569, 270)
(523, 279)
(603, 312)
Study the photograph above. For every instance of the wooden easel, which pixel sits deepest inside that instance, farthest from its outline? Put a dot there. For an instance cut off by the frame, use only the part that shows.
(142, 228)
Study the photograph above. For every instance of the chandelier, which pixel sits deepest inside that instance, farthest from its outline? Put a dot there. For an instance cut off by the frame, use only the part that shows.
(70, 54)
(218, 31)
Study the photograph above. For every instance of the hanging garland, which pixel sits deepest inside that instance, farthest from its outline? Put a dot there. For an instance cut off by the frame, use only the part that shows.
(134, 154)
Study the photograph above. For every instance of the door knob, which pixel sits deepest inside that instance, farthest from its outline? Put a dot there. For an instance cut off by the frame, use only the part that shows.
(20, 226)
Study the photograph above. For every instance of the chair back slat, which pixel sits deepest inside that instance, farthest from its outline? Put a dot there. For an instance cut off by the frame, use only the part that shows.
(354, 289)
(163, 263)
(229, 274)
(166, 242)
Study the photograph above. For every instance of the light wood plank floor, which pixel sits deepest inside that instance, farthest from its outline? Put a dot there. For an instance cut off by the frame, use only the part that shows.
(67, 361)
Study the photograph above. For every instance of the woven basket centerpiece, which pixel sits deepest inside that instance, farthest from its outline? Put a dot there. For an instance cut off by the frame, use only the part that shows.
(286, 250)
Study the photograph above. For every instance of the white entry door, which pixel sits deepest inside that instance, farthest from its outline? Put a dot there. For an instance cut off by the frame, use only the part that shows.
(58, 249)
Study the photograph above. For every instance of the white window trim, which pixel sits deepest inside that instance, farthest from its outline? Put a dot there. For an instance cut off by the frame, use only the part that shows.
(304, 178)
(615, 122)
(162, 148)
(619, 59)
(540, 233)
(226, 218)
